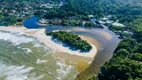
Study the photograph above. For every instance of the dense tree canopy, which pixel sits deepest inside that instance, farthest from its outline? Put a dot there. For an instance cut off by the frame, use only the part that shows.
(129, 44)
(122, 53)
(139, 49)
(137, 57)
(121, 69)
(71, 40)
(138, 35)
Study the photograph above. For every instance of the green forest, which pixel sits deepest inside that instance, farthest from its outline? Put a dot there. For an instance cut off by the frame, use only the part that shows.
(71, 40)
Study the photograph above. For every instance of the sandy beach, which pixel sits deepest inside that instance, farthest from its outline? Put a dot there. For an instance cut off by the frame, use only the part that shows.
(57, 46)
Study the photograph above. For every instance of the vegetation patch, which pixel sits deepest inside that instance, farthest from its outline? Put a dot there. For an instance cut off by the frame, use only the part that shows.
(71, 40)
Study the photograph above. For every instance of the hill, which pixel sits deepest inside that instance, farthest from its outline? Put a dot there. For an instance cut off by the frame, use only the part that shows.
(98, 7)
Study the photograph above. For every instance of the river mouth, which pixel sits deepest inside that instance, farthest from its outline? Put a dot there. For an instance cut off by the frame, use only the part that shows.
(105, 41)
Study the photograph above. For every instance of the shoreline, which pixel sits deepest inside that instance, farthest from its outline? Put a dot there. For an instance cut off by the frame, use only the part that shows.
(41, 36)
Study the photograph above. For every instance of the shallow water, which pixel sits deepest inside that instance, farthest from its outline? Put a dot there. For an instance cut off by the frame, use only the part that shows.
(23, 57)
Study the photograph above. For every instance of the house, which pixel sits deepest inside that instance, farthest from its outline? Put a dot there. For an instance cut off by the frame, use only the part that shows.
(118, 24)
(98, 22)
(26, 13)
(93, 21)
(90, 16)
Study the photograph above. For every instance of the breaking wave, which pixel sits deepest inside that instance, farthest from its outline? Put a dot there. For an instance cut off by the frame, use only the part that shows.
(16, 38)
(18, 73)
(63, 70)
(41, 61)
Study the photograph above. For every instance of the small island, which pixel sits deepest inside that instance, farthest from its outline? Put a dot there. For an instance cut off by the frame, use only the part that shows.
(71, 40)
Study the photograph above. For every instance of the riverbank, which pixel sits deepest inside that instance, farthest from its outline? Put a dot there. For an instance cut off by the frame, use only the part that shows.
(40, 35)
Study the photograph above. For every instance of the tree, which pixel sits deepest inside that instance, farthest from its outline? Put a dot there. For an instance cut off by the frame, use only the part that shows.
(129, 44)
(138, 35)
(137, 56)
(114, 18)
(139, 49)
(19, 20)
(122, 52)
(89, 24)
(116, 28)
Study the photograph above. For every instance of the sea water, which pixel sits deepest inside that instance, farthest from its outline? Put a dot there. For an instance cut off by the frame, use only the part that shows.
(23, 57)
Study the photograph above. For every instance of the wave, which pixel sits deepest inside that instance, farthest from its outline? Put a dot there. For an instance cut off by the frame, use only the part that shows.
(63, 70)
(18, 73)
(41, 61)
(16, 38)
(27, 50)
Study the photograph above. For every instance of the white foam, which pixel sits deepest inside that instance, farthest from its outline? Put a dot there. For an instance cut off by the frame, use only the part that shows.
(41, 61)
(27, 50)
(64, 69)
(18, 73)
(14, 72)
(15, 37)
(37, 45)
(46, 48)
(39, 77)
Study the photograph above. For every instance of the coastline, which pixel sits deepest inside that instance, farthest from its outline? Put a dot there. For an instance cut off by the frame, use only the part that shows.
(40, 35)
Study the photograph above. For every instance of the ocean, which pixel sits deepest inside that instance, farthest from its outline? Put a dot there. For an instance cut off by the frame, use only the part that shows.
(23, 57)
